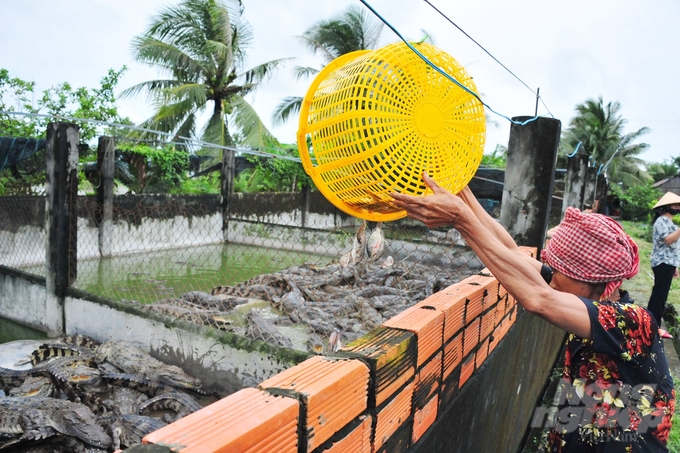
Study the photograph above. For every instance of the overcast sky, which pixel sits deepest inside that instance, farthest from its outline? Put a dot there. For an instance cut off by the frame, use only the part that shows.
(622, 50)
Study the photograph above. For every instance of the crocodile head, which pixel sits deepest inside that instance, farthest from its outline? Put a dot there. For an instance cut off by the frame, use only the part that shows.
(34, 386)
(75, 371)
(176, 377)
(79, 421)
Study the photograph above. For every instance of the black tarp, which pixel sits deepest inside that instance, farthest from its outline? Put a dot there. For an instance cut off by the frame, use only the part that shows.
(16, 149)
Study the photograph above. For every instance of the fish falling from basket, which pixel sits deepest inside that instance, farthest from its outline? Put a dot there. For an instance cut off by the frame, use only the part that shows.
(373, 121)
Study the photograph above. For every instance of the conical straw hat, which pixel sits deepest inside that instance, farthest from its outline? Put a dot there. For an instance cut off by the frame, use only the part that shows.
(668, 198)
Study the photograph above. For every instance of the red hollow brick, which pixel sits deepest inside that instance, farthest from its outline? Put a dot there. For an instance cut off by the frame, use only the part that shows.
(391, 354)
(357, 441)
(424, 418)
(427, 381)
(392, 416)
(258, 423)
(451, 302)
(471, 336)
(453, 353)
(482, 353)
(466, 369)
(426, 323)
(333, 392)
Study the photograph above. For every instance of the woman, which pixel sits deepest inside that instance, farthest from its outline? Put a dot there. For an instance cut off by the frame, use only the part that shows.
(614, 354)
(665, 258)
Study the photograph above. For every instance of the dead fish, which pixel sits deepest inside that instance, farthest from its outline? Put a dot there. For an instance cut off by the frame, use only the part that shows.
(359, 244)
(389, 261)
(376, 243)
(335, 341)
(358, 250)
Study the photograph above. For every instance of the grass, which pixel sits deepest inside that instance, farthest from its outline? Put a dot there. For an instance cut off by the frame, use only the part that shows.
(640, 287)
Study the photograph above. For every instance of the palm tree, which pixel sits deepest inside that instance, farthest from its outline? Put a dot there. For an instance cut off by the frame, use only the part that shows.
(599, 130)
(201, 45)
(663, 170)
(352, 30)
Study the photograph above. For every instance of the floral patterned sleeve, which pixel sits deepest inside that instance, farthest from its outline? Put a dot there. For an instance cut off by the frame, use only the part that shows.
(662, 228)
(626, 331)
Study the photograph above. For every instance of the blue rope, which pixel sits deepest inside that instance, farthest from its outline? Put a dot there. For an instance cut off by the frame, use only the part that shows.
(441, 71)
(575, 150)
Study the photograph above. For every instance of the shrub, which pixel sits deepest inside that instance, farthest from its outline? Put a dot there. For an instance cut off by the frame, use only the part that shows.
(637, 202)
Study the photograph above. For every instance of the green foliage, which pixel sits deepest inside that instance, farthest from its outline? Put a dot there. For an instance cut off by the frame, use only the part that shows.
(206, 184)
(91, 103)
(28, 176)
(666, 169)
(156, 170)
(637, 202)
(497, 159)
(15, 96)
(274, 174)
(674, 436)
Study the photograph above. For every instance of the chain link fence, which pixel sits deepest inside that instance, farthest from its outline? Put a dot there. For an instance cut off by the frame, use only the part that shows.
(286, 268)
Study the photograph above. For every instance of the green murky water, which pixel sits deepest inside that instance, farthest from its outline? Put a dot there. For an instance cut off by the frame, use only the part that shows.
(11, 331)
(152, 276)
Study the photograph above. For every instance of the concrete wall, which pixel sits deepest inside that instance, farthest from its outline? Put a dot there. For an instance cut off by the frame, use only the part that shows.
(223, 361)
(155, 222)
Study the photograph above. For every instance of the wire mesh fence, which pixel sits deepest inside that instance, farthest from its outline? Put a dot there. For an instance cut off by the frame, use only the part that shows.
(287, 268)
(310, 288)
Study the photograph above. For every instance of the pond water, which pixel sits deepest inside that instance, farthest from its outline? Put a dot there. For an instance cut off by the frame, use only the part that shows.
(11, 331)
(152, 276)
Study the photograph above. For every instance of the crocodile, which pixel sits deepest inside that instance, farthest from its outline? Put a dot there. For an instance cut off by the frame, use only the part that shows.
(179, 403)
(34, 386)
(234, 294)
(259, 328)
(69, 370)
(37, 418)
(175, 308)
(53, 444)
(136, 382)
(129, 430)
(49, 351)
(125, 401)
(132, 359)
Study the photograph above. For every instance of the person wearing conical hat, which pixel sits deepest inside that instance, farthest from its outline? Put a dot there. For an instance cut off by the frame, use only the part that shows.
(665, 257)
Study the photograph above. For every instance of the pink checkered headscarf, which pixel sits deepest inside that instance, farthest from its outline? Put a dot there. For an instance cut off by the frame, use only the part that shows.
(592, 248)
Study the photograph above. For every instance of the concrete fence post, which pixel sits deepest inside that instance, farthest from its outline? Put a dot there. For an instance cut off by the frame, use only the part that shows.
(574, 189)
(61, 220)
(104, 214)
(228, 175)
(529, 179)
(601, 191)
(590, 187)
(306, 193)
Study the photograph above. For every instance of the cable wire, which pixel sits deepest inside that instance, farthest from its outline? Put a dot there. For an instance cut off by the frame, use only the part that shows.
(441, 71)
(201, 143)
(491, 55)
(481, 47)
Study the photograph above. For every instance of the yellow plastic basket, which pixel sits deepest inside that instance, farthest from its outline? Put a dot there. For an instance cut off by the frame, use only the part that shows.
(376, 120)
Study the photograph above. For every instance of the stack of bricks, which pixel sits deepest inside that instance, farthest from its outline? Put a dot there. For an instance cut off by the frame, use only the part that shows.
(378, 394)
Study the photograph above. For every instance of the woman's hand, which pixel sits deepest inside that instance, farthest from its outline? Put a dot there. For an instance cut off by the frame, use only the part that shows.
(439, 209)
